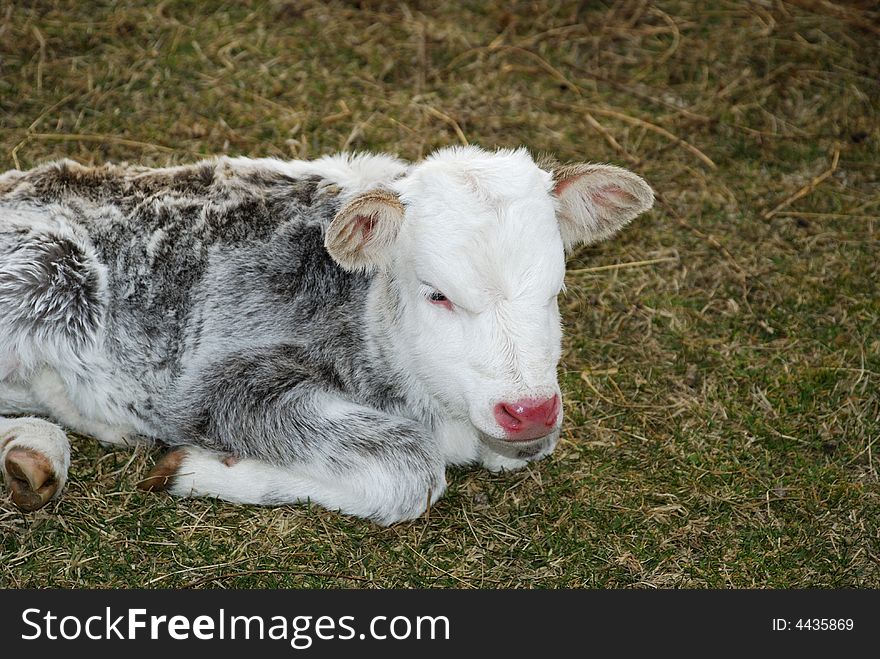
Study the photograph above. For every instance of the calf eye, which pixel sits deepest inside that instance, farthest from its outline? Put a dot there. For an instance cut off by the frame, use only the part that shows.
(436, 297)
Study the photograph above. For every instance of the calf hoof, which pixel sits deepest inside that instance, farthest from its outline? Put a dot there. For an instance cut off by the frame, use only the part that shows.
(162, 475)
(31, 478)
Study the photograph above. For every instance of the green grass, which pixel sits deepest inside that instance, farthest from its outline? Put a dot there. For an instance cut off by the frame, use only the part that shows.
(722, 408)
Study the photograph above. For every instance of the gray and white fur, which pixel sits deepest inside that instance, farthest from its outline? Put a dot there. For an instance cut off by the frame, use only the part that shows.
(272, 320)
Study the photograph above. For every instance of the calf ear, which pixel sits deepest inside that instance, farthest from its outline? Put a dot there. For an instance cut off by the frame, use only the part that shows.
(361, 234)
(596, 201)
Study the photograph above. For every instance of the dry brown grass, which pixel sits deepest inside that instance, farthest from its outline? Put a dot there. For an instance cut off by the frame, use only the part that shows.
(722, 356)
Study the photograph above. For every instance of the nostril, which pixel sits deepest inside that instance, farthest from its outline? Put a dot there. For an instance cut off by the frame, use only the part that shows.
(506, 415)
(552, 407)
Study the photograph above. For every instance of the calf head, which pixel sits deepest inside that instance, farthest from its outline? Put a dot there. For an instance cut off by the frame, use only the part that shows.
(473, 244)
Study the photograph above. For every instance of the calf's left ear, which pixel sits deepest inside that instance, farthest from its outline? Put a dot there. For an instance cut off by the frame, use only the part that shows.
(596, 201)
(362, 233)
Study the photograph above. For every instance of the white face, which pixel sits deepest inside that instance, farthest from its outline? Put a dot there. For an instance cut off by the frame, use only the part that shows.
(475, 242)
(479, 281)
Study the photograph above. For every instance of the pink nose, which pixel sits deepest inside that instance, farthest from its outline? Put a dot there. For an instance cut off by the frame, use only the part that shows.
(527, 419)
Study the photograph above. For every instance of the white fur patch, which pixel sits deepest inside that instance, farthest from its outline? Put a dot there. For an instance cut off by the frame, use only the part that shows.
(353, 173)
(374, 492)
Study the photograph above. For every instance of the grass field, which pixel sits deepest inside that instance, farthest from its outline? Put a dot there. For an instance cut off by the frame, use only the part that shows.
(722, 357)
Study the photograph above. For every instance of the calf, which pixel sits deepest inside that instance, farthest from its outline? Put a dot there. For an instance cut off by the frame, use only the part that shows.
(337, 331)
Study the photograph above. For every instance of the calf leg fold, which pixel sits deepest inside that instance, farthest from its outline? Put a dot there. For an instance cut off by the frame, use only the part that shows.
(378, 492)
(34, 459)
(323, 448)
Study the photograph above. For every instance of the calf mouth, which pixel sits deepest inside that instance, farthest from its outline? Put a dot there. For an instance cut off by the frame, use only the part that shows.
(522, 449)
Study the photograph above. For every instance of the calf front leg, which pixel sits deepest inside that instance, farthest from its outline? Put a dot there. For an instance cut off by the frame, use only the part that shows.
(312, 446)
(381, 492)
(34, 459)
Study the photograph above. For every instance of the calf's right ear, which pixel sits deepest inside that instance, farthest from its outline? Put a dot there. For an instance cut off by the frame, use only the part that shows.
(362, 233)
(596, 201)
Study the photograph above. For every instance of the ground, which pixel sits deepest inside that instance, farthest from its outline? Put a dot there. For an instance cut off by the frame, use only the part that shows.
(722, 355)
